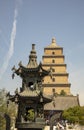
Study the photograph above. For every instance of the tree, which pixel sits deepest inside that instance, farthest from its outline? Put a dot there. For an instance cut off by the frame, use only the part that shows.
(63, 93)
(10, 110)
(75, 114)
(2, 109)
(31, 115)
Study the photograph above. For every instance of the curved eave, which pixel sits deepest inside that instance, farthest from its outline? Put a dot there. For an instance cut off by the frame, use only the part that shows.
(27, 93)
(17, 71)
(36, 69)
(46, 98)
(35, 97)
(29, 69)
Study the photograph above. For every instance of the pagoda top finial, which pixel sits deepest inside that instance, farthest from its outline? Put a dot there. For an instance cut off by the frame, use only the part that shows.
(33, 46)
(32, 58)
(53, 42)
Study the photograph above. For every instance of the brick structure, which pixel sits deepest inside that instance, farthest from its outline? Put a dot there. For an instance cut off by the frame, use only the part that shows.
(53, 58)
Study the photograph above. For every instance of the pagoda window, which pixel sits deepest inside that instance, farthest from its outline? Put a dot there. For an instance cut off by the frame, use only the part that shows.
(53, 79)
(53, 90)
(53, 61)
(53, 53)
(31, 85)
(53, 70)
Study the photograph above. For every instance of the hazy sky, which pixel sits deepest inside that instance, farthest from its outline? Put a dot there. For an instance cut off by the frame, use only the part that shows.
(23, 22)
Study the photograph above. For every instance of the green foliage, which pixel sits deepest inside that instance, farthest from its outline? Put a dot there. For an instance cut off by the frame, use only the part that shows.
(81, 120)
(2, 120)
(10, 110)
(2, 109)
(63, 93)
(75, 114)
(30, 115)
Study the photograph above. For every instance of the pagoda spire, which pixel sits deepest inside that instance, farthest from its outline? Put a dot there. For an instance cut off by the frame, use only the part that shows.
(32, 58)
(53, 43)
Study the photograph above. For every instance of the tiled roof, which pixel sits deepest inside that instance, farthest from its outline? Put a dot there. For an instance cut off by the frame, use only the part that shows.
(62, 103)
(27, 93)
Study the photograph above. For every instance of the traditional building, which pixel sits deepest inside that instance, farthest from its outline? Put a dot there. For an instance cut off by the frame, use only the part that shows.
(54, 109)
(53, 58)
(30, 99)
(58, 86)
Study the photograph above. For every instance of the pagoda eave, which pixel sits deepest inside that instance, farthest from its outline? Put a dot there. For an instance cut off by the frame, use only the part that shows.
(22, 69)
(53, 56)
(56, 85)
(51, 64)
(53, 47)
(60, 74)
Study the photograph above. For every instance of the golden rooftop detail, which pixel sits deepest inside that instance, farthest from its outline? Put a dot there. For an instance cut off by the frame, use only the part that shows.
(53, 43)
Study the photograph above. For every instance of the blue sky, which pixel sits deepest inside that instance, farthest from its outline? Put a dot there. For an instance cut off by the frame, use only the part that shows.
(23, 22)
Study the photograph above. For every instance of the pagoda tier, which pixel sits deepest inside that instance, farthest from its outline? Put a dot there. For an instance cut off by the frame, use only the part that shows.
(53, 58)
(24, 72)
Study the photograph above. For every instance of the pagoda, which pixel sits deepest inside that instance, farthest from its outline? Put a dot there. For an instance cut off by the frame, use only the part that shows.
(57, 85)
(30, 99)
(53, 58)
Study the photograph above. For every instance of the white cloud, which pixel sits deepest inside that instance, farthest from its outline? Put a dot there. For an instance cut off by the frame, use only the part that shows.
(12, 40)
(11, 47)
